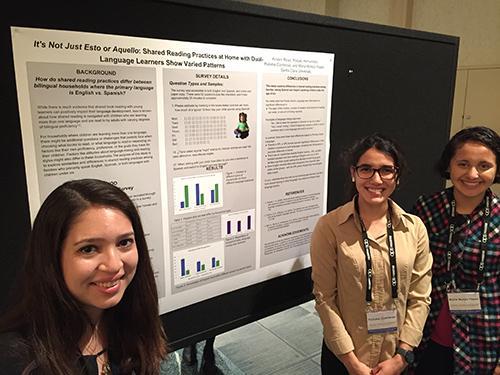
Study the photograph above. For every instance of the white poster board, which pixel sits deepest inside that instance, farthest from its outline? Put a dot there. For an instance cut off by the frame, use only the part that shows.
(159, 119)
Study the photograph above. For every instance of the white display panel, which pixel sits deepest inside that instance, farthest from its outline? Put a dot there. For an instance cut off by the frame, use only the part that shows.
(158, 118)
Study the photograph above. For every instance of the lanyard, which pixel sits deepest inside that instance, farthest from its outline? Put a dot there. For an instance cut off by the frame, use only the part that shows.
(482, 244)
(368, 256)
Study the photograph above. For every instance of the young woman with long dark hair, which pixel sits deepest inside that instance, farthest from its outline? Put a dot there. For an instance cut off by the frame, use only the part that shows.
(89, 302)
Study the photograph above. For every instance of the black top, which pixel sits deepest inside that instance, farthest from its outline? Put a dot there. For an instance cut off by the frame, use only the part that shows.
(15, 355)
(16, 358)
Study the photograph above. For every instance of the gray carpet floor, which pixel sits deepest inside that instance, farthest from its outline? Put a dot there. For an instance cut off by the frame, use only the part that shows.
(286, 343)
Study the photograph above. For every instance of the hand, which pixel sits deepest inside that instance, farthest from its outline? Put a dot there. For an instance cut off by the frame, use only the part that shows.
(354, 365)
(392, 366)
(359, 369)
(497, 370)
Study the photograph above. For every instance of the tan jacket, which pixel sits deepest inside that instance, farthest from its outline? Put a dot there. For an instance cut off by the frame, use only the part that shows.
(339, 276)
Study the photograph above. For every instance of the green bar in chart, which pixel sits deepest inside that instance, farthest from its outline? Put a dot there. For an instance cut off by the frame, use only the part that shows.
(186, 196)
(195, 193)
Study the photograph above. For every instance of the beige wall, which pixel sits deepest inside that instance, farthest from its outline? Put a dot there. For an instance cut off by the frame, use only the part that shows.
(385, 12)
(477, 22)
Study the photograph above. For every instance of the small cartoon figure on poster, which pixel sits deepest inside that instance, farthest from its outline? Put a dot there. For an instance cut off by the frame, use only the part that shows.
(242, 130)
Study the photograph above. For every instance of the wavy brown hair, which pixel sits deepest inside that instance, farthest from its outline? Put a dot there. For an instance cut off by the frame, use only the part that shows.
(48, 316)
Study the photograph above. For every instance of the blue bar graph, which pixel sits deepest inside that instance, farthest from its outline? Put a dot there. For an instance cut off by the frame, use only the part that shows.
(197, 192)
(237, 223)
(183, 267)
(198, 262)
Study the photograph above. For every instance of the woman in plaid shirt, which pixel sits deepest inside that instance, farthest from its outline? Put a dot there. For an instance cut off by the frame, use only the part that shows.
(461, 335)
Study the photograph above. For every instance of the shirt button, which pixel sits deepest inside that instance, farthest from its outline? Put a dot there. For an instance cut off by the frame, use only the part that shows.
(481, 213)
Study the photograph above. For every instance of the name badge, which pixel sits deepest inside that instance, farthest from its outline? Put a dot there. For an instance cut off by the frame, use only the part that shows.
(464, 302)
(382, 321)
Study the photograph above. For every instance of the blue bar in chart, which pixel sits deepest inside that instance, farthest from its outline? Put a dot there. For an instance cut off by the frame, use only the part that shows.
(183, 267)
(215, 263)
(237, 223)
(195, 193)
(198, 262)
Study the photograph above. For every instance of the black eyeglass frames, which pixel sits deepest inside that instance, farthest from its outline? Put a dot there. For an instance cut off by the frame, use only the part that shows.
(386, 172)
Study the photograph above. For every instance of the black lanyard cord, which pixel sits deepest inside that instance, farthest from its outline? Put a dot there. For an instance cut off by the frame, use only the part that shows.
(482, 244)
(368, 257)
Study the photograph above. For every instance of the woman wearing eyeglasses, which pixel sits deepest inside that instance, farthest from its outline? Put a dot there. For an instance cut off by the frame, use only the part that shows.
(371, 269)
(462, 332)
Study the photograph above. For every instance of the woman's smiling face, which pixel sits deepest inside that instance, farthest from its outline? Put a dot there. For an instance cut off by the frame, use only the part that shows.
(374, 190)
(99, 258)
(472, 170)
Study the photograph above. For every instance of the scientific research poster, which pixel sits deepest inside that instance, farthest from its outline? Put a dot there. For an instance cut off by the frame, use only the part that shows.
(223, 149)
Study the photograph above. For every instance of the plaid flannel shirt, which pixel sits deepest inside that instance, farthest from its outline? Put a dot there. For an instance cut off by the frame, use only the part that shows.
(475, 337)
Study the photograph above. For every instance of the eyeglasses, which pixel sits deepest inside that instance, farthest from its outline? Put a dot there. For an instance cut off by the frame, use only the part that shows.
(385, 172)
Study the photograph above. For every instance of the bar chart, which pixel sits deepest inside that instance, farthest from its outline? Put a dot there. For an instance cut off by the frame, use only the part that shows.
(198, 262)
(236, 223)
(195, 193)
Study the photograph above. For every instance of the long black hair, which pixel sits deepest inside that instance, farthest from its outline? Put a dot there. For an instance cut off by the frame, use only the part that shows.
(50, 318)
